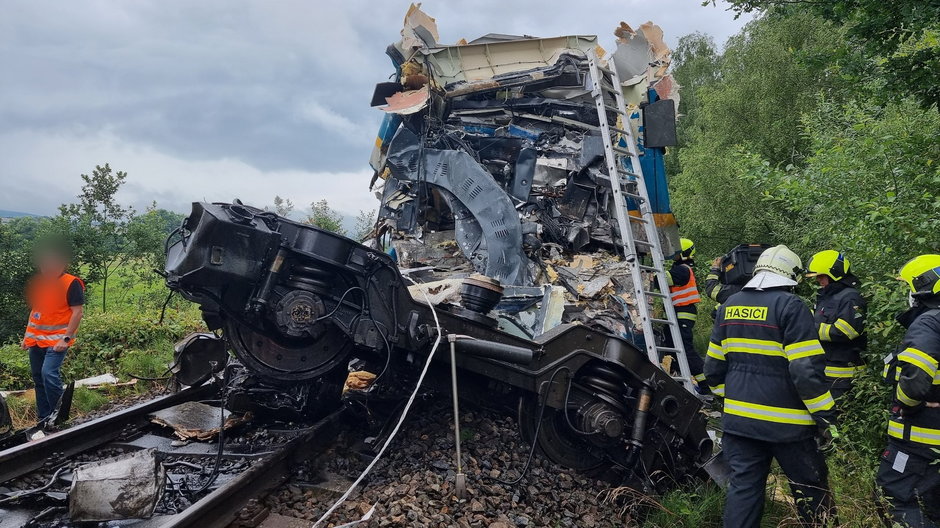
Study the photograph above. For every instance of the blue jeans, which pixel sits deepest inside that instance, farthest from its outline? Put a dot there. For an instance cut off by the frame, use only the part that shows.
(44, 364)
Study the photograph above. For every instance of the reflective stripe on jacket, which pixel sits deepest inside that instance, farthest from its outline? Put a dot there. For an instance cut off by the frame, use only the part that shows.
(49, 310)
(683, 289)
(840, 320)
(765, 360)
(917, 377)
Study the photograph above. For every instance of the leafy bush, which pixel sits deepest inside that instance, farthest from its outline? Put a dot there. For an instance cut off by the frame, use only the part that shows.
(124, 343)
(14, 368)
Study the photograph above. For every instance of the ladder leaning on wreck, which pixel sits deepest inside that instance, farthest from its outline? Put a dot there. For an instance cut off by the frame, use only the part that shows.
(627, 182)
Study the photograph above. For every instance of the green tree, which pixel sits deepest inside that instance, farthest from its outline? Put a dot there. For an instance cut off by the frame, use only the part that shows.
(15, 269)
(767, 76)
(283, 206)
(325, 217)
(900, 39)
(98, 226)
(365, 225)
(694, 67)
(147, 233)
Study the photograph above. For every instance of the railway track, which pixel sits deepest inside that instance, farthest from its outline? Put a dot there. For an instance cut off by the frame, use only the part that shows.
(253, 461)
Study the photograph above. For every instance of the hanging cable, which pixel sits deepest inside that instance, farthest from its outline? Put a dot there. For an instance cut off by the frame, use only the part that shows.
(401, 419)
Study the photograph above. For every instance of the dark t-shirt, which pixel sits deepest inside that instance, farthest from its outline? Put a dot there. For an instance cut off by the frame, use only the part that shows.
(76, 294)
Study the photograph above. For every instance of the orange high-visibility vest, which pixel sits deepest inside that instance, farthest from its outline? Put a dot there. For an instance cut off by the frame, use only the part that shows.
(49, 310)
(687, 293)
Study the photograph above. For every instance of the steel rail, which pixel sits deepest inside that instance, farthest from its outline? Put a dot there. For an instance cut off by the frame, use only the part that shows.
(22, 459)
(219, 508)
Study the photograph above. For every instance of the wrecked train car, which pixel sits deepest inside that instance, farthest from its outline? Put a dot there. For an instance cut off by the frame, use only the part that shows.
(495, 203)
(490, 160)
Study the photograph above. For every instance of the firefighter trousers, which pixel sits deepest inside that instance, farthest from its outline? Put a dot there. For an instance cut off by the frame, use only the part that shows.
(910, 482)
(802, 462)
(696, 363)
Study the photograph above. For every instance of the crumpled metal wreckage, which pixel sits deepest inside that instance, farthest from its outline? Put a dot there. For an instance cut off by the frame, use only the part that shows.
(490, 160)
(127, 486)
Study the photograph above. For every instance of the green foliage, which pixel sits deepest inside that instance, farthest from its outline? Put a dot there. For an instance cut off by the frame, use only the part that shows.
(146, 237)
(748, 100)
(898, 40)
(695, 66)
(689, 507)
(125, 343)
(325, 217)
(365, 225)
(106, 336)
(15, 269)
(85, 400)
(790, 139)
(97, 226)
(14, 368)
(282, 206)
(871, 188)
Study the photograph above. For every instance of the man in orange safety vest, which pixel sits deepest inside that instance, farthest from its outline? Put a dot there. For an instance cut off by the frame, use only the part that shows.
(56, 301)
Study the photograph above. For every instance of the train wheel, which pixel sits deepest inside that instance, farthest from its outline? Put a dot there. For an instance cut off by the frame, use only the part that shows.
(556, 439)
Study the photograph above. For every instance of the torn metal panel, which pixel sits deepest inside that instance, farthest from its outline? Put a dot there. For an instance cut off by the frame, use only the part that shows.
(419, 30)
(488, 230)
(123, 487)
(486, 61)
(407, 103)
(498, 143)
(196, 421)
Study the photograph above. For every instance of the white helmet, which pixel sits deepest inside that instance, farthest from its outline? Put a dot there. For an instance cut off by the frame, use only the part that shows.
(779, 261)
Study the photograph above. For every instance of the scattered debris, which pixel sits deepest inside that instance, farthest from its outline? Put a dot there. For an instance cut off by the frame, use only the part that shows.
(196, 421)
(101, 379)
(490, 160)
(123, 487)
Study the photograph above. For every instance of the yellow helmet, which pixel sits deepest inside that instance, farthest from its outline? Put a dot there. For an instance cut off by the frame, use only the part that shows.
(688, 249)
(829, 262)
(922, 274)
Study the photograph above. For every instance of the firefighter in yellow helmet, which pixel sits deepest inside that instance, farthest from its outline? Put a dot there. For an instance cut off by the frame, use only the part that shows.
(839, 314)
(766, 361)
(908, 475)
(683, 291)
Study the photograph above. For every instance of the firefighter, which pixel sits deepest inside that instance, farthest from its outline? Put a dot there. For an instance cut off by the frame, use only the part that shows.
(840, 319)
(715, 289)
(683, 291)
(765, 360)
(909, 475)
(740, 256)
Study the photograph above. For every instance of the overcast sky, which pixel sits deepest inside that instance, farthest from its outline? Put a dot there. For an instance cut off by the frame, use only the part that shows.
(217, 99)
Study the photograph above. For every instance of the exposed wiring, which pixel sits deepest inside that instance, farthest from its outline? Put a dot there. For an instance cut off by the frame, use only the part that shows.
(218, 456)
(19, 495)
(401, 419)
(342, 298)
(165, 303)
(565, 408)
(535, 436)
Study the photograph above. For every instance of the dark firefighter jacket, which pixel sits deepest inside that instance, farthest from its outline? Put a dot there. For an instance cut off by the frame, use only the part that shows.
(717, 291)
(915, 372)
(840, 320)
(766, 361)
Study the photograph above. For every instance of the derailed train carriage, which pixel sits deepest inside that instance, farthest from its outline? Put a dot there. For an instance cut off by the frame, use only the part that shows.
(489, 150)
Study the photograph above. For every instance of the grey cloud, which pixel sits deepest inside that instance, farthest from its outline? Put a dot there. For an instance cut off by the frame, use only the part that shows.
(276, 86)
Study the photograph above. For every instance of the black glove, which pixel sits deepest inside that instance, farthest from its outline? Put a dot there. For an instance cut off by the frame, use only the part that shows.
(826, 435)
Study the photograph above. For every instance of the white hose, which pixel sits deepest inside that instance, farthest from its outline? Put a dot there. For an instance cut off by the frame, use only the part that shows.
(401, 420)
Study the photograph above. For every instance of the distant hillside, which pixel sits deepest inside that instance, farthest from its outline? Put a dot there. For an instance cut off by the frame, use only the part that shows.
(14, 214)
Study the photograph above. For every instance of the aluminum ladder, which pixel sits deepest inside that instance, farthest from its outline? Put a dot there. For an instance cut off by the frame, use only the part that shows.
(608, 96)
